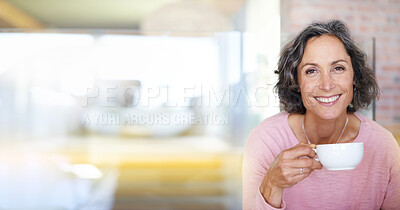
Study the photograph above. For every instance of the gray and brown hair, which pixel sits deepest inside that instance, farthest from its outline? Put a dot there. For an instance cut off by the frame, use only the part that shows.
(365, 86)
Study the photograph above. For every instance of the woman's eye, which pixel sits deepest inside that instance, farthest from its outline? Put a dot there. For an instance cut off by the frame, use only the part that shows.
(339, 68)
(311, 71)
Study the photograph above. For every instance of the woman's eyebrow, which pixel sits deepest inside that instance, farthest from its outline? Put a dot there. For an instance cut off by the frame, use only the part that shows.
(314, 64)
(337, 61)
(306, 64)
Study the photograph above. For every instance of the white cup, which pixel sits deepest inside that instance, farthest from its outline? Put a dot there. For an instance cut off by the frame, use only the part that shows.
(344, 156)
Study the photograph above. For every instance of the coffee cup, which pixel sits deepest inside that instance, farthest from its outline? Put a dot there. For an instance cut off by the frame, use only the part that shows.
(343, 156)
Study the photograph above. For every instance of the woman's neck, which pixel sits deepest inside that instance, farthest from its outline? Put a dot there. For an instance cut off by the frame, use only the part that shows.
(322, 131)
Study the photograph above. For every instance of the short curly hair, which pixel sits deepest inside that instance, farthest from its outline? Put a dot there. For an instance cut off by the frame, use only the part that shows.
(366, 87)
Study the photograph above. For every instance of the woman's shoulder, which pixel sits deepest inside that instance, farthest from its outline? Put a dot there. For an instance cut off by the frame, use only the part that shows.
(272, 129)
(277, 121)
(373, 128)
(374, 132)
(272, 135)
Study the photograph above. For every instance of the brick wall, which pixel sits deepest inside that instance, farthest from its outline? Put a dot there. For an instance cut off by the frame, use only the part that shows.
(366, 19)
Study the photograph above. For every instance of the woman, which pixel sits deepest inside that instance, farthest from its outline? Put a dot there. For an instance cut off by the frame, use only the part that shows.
(323, 80)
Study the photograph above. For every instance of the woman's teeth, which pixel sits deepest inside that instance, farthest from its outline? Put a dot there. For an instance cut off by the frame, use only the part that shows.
(328, 100)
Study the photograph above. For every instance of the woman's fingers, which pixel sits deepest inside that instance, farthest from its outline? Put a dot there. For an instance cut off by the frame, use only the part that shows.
(297, 167)
(299, 150)
(300, 163)
(316, 165)
(292, 165)
(302, 171)
(295, 175)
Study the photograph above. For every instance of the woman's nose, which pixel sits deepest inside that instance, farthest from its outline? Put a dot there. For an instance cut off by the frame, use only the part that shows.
(326, 82)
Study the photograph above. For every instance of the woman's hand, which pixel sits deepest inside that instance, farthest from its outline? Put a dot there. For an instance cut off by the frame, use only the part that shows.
(290, 167)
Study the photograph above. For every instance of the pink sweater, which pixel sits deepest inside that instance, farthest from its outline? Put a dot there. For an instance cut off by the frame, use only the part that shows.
(374, 184)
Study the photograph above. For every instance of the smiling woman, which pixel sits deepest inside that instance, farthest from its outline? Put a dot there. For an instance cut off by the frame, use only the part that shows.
(325, 77)
(323, 80)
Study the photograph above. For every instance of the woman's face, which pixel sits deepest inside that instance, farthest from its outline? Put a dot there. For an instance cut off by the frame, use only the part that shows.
(325, 75)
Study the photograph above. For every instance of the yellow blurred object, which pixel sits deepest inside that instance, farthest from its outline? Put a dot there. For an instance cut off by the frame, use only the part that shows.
(172, 173)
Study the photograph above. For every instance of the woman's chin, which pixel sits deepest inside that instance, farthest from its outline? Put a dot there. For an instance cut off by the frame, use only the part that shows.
(329, 114)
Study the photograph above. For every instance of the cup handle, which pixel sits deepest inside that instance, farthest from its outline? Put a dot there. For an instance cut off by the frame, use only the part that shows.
(315, 150)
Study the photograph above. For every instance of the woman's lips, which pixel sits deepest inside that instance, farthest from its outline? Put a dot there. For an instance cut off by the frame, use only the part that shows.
(328, 100)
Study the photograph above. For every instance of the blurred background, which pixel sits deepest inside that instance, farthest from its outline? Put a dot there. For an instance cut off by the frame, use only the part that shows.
(135, 104)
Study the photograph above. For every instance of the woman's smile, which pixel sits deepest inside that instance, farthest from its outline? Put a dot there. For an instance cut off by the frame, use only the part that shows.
(327, 100)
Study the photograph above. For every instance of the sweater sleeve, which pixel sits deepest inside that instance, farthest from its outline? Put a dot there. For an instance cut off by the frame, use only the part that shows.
(256, 161)
(392, 196)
